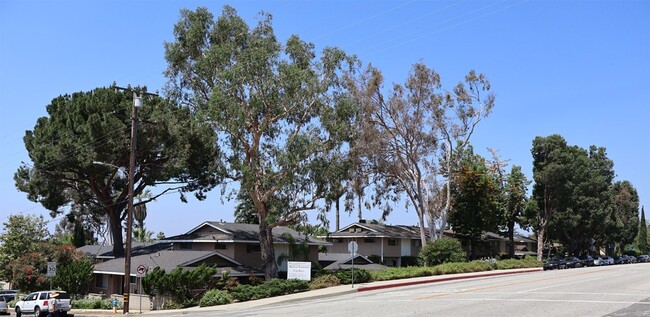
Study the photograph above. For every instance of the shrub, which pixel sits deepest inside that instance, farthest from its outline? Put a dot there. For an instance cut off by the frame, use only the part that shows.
(324, 281)
(441, 251)
(274, 287)
(518, 264)
(360, 276)
(89, 303)
(215, 297)
(375, 258)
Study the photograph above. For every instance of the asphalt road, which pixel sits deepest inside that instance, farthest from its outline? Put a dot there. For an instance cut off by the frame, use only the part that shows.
(622, 290)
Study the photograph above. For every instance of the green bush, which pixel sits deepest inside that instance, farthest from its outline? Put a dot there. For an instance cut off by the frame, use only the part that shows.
(518, 264)
(89, 303)
(360, 276)
(274, 287)
(441, 251)
(375, 258)
(215, 297)
(395, 273)
(324, 281)
(178, 283)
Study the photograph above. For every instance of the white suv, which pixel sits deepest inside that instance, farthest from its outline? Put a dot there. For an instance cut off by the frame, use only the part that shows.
(36, 303)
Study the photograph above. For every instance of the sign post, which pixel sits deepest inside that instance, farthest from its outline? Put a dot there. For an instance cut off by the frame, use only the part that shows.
(141, 270)
(353, 247)
(51, 271)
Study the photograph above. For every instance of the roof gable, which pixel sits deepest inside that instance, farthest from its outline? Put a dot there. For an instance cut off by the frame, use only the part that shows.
(376, 230)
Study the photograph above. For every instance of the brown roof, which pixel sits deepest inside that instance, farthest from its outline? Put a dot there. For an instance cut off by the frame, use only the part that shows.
(240, 232)
(369, 230)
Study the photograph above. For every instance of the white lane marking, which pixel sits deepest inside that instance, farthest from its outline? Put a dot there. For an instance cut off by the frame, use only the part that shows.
(558, 285)
(543, 300)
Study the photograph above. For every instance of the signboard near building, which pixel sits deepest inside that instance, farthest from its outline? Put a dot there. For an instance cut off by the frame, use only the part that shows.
(299, 271)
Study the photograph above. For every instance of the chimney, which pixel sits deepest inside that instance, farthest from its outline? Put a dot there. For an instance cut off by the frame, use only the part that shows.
(362, 220)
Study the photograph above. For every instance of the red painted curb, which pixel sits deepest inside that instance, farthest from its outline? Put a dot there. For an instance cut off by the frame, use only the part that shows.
(443, 279)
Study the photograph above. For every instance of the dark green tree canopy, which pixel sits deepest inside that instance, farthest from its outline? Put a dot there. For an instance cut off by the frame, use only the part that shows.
(80, 153)
(475, 207)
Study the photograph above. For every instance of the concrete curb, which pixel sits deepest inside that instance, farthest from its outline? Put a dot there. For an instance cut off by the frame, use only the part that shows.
(442, 278)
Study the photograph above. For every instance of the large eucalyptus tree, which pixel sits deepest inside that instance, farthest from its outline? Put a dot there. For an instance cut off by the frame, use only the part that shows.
(80, 153)
(408, 129)
(279, 111)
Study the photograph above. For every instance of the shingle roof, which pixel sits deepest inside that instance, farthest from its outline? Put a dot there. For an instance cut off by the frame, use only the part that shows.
(106, 251)
(339, 261)
(169, 260)
(240, 232)
(369, 230)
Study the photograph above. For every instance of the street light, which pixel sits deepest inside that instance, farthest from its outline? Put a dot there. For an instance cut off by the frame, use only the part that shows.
(137, 102)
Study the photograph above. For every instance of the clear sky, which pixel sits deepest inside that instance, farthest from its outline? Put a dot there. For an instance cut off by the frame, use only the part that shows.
(577, 68)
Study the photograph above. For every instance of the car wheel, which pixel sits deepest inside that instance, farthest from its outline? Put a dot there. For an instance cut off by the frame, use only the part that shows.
(18, 313)
(37, 311)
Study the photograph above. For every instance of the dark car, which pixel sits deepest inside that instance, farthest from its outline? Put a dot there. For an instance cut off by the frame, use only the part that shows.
(572, 262)
(620, 259)
(553, 264)
(631, 259)
(8, 295)
(586, 260)
(643, 258)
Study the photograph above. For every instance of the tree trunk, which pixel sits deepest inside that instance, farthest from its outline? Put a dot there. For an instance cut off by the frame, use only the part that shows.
(337, 215)
(116, 230)
(540, 242)
(511, 238)
(269, 266)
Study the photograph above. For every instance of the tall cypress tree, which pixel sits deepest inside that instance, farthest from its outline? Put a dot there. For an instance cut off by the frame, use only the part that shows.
(642, 239)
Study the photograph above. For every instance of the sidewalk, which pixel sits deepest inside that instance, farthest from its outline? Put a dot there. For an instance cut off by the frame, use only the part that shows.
(323, 293)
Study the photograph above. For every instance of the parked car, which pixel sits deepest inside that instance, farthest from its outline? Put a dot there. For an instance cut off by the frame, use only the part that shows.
(4, 307)
(36, 303)
(552, 264)
(620, 259)
(587, 260)
(572, 262)
(643, 258)
(631, 259)
(606, 260)
(8, 294)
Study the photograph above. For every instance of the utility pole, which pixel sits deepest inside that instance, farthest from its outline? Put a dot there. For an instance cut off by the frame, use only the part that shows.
(137, 103)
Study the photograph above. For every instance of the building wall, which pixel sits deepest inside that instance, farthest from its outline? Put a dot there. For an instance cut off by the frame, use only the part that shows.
(391, 253)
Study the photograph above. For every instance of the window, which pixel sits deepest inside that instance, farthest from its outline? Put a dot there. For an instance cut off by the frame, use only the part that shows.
(369, 240)
(416, 243)
(44, 295)
(219, 246)
(250, 248)
(101, 281)
(392, 242)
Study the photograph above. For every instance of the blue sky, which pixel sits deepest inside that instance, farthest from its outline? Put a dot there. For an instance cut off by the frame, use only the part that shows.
(577, 68)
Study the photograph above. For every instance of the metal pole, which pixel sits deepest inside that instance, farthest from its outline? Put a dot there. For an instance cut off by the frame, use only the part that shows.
(129, 217)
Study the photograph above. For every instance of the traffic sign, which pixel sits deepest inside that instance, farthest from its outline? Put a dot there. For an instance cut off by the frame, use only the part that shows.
(353, 247)
(141, 270)
(51, 268)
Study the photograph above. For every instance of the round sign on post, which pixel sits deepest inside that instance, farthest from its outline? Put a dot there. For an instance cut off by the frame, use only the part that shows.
(141, 270)
(353, 247)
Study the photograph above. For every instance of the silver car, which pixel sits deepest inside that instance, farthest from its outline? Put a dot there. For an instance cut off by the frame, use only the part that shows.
(4, 308)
